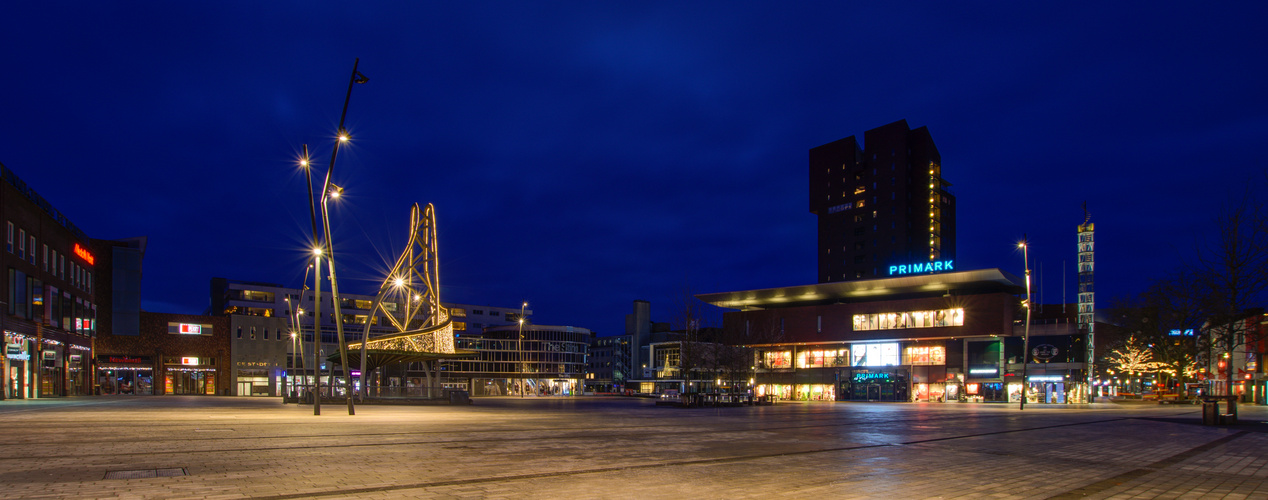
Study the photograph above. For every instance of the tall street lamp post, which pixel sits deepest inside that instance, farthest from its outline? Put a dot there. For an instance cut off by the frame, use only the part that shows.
(1025, 352)
(331, 191)
(519, 346)
(317, 331)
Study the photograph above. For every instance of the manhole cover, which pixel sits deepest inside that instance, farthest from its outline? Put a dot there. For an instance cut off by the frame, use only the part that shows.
(146, 473)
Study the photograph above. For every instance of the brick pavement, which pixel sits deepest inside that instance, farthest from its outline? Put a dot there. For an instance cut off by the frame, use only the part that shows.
(622, 448)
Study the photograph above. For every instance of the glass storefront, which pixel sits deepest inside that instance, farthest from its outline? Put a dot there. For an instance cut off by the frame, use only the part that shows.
(187, 381)
(129, 381)
(51, 383)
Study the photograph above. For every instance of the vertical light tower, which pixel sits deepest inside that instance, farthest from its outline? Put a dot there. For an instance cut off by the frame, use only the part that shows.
(1087, 295)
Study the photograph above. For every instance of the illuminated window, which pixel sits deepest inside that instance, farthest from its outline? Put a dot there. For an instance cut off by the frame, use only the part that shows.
(778, 359)
(909, 319)
(823, 358)
(885, 354)
(925, 355)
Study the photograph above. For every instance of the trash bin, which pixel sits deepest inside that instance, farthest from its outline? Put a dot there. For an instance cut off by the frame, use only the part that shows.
(459, 397)
(1210, 412)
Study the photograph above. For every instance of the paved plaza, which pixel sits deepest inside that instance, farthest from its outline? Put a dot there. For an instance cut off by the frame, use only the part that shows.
(219, 447)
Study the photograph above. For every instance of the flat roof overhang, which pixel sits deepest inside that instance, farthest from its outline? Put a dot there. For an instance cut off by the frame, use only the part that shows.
(960, 282)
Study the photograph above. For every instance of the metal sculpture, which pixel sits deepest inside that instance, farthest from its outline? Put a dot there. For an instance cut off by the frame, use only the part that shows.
(409, 300)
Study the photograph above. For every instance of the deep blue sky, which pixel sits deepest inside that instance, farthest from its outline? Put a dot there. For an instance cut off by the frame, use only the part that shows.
(584, 155)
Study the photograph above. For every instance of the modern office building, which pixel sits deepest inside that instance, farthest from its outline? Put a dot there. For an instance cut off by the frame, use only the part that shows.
(50, 315)
(883, 207)
(259, 312)
(610, 364)
(540, 360)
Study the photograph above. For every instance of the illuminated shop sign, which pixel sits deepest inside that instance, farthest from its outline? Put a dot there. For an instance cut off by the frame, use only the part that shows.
(1181, 333)
(123, 359)
(984, 371)
(83, 253)
(188, 329)
(871, 377)
(189, 361)
(1046, 378)
(923, 267)
(1045, 352)
(16, 351)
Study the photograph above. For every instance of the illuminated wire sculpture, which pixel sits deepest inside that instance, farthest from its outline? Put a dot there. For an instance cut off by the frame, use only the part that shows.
(409, 300)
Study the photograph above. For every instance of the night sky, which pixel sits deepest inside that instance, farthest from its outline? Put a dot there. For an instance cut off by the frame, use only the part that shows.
(584, 155)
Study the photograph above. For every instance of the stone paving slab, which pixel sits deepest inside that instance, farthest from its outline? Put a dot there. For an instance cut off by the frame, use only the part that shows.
(623, 448)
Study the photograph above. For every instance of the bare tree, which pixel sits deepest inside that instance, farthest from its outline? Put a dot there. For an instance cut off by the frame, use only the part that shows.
(691, 352)
(1231, 275)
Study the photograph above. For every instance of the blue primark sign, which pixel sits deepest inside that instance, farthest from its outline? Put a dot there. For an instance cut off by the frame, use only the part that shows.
(923, 267)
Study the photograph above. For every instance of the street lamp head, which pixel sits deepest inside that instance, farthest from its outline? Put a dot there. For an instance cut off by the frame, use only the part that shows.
(292, 335)
(399, 282)
(335, 191)
(521, 321)
(317, 251)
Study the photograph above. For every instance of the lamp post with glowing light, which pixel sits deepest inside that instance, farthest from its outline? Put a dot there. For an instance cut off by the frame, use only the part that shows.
(519, 347)
(317, 332)
(1025, 352)
(323, 244)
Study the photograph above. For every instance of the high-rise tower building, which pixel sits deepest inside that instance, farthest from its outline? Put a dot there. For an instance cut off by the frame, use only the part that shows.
(884, 209)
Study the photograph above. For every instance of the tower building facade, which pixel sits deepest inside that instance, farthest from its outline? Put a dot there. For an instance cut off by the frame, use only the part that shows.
(884, 209)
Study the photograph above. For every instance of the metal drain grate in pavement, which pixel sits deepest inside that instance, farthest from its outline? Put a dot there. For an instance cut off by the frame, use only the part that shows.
(146, 473)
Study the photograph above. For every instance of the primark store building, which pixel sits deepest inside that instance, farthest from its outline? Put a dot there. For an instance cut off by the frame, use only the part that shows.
(937, 336)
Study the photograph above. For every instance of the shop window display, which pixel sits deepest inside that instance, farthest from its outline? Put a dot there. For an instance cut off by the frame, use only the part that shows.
(909, 319)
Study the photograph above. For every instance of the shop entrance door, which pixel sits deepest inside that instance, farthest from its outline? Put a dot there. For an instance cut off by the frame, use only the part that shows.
(244, 388)
(873, 392)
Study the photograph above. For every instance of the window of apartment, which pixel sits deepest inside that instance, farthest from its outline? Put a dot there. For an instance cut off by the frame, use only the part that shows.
(493, 313)
(22, 244)
(89, 283)
(61, 260)
(266, 334)
(45, 257)
(31, 256)
(9, 245)
(239, 332)
(253, 333)
(477, 311)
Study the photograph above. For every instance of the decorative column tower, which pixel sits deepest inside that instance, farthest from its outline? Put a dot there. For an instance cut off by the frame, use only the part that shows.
(1087, 295)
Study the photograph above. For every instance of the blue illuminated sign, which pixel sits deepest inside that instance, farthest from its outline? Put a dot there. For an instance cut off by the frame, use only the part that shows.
(871, 377)
(922, 267)
(1181, 333)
